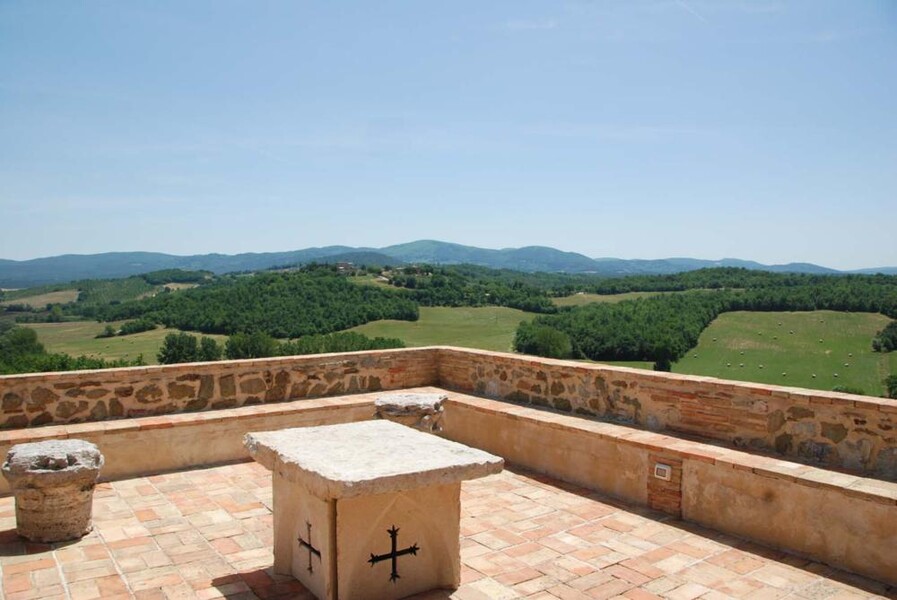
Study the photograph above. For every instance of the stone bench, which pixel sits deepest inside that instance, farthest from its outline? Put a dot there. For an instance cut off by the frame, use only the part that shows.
(53, 483)
(368, 510)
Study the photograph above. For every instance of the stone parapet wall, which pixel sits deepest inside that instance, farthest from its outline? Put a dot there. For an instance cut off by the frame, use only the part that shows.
(81, 396)
(141, 446)
(830, 429)
(846, 521)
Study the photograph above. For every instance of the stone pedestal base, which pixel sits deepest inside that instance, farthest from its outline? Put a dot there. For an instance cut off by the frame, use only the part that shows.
(344, 548)
(420, 411)
(54, 514)
(370, 510)
(53, 484)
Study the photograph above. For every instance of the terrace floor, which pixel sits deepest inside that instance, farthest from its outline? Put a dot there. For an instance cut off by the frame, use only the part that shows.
(207, 533)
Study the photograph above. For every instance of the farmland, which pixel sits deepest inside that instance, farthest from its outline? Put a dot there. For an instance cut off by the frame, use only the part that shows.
(43, 299)
(789, 348)
(487, 328)
(78, 338)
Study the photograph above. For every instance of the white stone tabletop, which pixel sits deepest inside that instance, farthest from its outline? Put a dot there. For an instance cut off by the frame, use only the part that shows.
(369, 457)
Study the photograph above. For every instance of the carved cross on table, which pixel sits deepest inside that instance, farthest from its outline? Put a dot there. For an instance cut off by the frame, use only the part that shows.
(307, 545)
(394, 554)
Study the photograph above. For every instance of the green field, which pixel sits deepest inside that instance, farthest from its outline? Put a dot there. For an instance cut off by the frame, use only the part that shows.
(760, 338)
(583, 298)
(77, 338)
(487, 328)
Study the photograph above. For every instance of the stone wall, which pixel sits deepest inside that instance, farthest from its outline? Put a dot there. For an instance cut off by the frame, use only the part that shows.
(858, 433)
(76, 397)
(820, 428)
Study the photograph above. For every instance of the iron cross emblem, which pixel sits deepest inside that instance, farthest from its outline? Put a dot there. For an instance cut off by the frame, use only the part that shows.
(394, 554)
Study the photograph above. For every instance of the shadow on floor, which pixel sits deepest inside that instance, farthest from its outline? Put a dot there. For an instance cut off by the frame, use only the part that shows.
(262, 584)
(13, 545)
(870, 586)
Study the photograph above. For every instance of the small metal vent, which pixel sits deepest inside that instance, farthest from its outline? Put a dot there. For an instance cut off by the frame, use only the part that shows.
(662, 471)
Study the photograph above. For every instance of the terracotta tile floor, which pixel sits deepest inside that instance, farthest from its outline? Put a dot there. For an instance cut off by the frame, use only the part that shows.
(207, 534)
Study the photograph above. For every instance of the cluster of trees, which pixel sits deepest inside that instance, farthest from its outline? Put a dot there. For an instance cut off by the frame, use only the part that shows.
(543, 340)
(138, 326)
(886, 339)
(891, 386)
(460, 286)
(21, 352)
(176, 276)
(184, 347)
(345, 341)
(282, 305)
(662, 328)
(128, 328)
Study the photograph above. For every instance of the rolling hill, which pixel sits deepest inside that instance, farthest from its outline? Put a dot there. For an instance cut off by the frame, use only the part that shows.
(58, 269)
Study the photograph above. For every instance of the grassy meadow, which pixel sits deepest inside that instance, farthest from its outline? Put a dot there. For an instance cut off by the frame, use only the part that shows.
(487, 328)
(77, 338)
(788, 346)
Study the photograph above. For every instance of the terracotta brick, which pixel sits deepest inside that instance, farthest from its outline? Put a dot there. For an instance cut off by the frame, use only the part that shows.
(617, 551)
(31, 565)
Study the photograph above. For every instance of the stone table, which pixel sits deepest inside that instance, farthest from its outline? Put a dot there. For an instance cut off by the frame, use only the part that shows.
(368, 510)
(53, 483)
(422, 411)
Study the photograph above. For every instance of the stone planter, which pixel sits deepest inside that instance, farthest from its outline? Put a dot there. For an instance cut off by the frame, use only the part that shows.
(53, 483)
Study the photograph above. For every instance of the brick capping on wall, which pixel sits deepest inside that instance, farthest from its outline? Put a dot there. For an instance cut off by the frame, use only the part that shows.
(829, 429)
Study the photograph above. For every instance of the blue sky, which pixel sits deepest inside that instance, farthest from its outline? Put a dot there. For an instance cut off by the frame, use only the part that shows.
(761, 130)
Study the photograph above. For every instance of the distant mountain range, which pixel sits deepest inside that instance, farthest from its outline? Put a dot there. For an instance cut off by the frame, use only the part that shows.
(69, 267)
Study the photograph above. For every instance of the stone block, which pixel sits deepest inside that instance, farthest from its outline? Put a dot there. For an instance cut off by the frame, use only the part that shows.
(420, 411)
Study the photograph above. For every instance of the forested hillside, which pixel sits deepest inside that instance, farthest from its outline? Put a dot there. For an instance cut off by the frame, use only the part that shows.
(40, 271)
(459, 286)
(307, 304)
(282, 305)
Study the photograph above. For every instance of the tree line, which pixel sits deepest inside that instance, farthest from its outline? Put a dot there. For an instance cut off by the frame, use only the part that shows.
(184, 347)
(566, 284)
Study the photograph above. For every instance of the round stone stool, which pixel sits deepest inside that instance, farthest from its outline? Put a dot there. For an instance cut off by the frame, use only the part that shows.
(53, 483)
(421, 411)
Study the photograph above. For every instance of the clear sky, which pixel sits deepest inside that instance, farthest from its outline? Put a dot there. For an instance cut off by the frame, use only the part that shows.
(760, 130)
